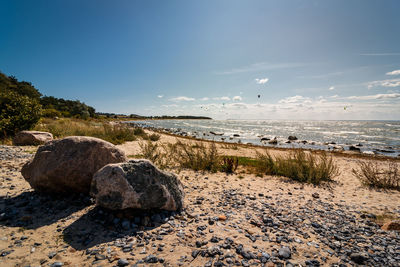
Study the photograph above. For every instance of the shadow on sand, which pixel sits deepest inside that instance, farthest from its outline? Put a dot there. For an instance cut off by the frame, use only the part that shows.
(32, 210)
(99, 226)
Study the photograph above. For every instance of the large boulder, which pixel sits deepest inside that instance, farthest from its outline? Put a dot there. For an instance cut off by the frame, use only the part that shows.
(32, 138)
(136, 184)
(67, 165)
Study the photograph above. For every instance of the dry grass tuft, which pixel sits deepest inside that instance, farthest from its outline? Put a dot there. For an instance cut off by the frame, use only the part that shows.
(116, 134)
(299, 166)
(370, 174)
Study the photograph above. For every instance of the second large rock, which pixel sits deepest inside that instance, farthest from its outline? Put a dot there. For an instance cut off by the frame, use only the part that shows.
(137, 184)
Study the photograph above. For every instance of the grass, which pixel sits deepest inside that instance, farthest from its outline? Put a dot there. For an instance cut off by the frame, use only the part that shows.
(197, 156)
(372, 175)
(299, 166)
(116, 134)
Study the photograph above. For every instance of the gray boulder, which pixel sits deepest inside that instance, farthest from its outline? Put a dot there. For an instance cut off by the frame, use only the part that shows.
(136, 184)
(67, 165)
(32, 138)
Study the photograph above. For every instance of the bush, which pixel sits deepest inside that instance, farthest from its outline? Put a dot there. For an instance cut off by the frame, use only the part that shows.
(229, 164)
(51, 113)
(300, 166)
(17, 113)
(154, 137)
(370, 174)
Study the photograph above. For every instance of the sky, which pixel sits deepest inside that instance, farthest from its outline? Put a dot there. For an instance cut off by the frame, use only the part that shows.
(298, 59)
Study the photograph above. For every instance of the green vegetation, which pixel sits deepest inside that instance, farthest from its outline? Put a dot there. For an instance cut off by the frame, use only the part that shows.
(116, 134)
(300, 166)
(229, 164)
(58, 107)
(17, 113)
(154, 137)
(196, 156)
(370, 174)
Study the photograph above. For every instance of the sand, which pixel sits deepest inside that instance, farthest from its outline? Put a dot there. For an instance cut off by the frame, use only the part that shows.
(208, 195)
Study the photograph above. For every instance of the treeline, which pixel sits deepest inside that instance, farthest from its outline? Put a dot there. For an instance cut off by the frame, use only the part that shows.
(51, 106)
(22, 105)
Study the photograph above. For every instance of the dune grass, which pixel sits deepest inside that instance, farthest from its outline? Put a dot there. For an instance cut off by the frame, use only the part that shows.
(300, 166)
(113, 133)
(371, 174)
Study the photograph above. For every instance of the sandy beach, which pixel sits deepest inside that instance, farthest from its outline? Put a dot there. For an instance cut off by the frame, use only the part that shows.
(229, 220)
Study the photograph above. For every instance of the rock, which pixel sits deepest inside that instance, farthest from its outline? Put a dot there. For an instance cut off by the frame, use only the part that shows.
(358, 258)
(284, 253)
(292, 138)
(122, 262)
(315, 195)
(236, 135)
(32, 138)
(393, 225)
(222, 218)
(215, 133)
(265, 139)
(353, 148)
(67, 165)
(136, 184)
(273, 142)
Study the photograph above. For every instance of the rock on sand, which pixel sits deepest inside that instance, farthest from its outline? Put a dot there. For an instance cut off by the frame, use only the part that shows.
(136, 184)
(67, 165)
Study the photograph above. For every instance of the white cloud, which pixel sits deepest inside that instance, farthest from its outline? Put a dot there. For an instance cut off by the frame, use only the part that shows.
(395, 72)
(204, 99)
(182, 98)
(332, 88)
(293, 99)
(374, 97)
(237, 98)
(261, 66)
(262, 80)
(160, 96)
(384, 83)
(223, 98)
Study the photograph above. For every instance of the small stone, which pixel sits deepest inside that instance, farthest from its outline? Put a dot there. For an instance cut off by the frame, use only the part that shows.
(315, 195)
(358, 258)
(57, 264)
(284, 253)
(393, 225)
(122, 262)
(222, 218)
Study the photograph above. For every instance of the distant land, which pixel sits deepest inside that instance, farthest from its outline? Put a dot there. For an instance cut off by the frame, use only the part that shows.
(139, 117)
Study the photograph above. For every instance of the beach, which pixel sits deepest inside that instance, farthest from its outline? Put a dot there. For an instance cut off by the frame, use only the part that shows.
(236, 219)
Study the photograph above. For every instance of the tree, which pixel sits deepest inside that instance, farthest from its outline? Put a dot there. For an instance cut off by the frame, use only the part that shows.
(17, 113)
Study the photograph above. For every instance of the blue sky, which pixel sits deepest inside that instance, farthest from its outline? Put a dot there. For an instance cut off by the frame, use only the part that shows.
(306, 59)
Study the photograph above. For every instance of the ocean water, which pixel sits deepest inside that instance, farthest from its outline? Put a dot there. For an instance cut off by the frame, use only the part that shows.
(378, 137)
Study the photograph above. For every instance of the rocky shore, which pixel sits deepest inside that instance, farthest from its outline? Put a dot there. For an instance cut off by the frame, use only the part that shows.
(235, 220)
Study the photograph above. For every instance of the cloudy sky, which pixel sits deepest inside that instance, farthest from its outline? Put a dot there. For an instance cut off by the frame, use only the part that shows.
(299, 59)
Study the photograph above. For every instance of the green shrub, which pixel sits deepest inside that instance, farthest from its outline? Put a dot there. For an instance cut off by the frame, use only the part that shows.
(139, 131)
(300, 166)
(51, 113)
(154, 137)
(17, 113)
(370, 174)
(229, 164)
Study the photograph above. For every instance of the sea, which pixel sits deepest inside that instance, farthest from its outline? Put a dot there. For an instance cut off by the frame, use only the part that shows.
(368, 137)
